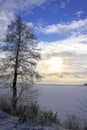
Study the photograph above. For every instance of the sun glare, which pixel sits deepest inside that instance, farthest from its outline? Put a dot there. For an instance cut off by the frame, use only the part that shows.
(55, 64)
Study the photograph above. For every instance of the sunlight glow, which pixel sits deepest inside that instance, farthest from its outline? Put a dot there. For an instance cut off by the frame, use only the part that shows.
(55, 64)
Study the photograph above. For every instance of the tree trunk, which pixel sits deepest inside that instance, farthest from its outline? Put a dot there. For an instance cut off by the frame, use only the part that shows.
(14, 101)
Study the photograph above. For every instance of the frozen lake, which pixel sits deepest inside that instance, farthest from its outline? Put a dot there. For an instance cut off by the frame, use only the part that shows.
(64, 99)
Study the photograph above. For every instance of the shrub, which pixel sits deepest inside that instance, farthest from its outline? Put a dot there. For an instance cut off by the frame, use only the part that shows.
(85, 125)
(72, 123)
(33, 112)
(5, 104)
(27, 112)
(47, 117)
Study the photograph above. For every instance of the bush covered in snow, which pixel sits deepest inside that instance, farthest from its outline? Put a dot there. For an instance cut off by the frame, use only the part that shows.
(33, 112)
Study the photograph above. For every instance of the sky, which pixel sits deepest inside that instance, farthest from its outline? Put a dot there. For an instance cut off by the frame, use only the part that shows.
(61, 30)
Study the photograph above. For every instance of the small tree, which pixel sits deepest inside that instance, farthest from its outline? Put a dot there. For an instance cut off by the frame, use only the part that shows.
(21, 57)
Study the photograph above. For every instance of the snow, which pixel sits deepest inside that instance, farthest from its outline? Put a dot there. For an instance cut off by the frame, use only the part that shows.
(8, 122)
(63, 99)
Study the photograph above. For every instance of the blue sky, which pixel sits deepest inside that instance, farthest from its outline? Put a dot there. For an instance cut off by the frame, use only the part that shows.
(54, 12)
(61, 30)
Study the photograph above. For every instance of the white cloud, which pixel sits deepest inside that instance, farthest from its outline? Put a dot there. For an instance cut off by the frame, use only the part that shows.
(19, 5)
(79, 13)
(9, 7)
(72, 51)
(74, 28)
(4, 21)
(73, 45)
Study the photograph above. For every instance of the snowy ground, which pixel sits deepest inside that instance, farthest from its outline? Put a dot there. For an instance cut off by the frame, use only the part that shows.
(63, 99)
(8, 122)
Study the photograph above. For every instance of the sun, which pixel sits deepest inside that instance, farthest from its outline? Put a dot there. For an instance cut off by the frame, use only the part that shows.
(54, 64)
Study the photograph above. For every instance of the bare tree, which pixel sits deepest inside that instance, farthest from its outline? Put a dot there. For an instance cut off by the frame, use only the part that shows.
(21, 57)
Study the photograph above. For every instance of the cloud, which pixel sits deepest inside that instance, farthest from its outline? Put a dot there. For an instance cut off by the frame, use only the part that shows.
(4, 21)
(71, 28)
(19, 5)
(73, 53)
(79, 13)
(10, 7)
